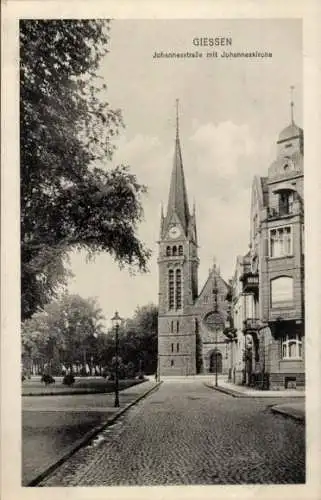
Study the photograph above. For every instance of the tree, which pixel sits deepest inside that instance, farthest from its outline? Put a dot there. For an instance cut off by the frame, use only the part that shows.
(65, 332)
(69, 199)
(138, 341)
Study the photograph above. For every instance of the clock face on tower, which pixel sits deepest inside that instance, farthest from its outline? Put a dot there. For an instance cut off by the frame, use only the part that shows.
(174, 232)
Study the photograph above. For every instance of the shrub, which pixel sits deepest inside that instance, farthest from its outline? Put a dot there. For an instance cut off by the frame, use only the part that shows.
(68, 379)
(130, 370)
(47, 379)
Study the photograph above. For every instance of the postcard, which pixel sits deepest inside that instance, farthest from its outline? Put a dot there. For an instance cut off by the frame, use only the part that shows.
(159, 278)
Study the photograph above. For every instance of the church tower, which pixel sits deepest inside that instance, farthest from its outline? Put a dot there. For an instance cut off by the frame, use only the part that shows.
(178, 279)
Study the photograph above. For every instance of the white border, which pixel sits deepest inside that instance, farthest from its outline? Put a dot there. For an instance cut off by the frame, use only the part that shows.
(10, 302)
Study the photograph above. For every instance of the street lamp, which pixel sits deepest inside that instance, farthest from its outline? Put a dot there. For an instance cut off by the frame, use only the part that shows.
(216, 356)
(116, 322)
(215, 292)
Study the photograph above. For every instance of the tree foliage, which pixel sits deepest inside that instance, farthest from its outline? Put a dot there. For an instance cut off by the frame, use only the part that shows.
(67, 127)
(63, 331)
(138, 343)
(70, 331)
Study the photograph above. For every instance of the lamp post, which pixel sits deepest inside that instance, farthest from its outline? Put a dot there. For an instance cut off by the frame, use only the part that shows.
(215, 292)
(116, 321)
(216, 357)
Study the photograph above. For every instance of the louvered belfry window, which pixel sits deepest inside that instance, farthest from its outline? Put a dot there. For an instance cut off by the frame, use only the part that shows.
(175, 289)
(178, 289)
(171, 289)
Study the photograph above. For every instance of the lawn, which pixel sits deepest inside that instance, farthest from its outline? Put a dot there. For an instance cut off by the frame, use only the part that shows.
(82, 385)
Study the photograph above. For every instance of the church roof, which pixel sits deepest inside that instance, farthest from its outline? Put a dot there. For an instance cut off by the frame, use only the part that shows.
(213, 274)
(177, 200)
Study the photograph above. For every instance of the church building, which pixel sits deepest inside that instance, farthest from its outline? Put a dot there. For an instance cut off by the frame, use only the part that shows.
(192, 337)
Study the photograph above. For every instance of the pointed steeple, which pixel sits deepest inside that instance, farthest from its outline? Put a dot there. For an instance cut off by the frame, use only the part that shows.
(177, 200)
(162, 220)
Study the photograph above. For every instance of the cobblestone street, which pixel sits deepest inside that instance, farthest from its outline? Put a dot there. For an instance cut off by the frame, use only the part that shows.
(186, 433)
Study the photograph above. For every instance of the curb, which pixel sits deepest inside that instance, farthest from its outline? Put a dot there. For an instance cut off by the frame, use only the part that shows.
(259, 394)
(80, 443)
(285, 413)
(230, 392)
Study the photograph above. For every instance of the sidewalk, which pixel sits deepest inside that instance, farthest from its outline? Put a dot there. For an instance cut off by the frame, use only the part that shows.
(241, 391)
(49, 423)
(293, 410)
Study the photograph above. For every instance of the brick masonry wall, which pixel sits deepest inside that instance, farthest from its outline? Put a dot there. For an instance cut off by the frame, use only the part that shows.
(278, 380)
(276, 365)
(184, 359)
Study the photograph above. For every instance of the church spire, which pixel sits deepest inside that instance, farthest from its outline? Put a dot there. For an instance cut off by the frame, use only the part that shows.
(177, 120)
(177, 200)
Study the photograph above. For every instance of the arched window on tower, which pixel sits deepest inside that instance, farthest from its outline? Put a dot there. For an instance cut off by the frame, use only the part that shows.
(178, 289)
(172, 326)
(177, 326)
(174, 250)
(171, 289)
(180, 250)
(168, 251)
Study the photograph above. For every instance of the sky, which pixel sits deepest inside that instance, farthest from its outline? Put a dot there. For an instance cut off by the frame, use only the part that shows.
(231, 113)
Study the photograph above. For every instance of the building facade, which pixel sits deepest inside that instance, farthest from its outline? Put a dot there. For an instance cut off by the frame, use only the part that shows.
(191, 326)
(273, 272)
(252, 328)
